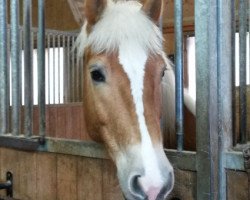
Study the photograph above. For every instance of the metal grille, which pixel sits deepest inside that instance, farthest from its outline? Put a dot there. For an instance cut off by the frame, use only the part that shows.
(37, 67)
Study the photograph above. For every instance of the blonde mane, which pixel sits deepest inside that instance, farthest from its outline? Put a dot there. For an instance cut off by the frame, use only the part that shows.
(130, 25)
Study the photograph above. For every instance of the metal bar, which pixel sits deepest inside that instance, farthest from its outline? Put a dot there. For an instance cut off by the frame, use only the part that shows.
(64, 70)
(21, 143)
(28, 68)
(178, 158)
(233, 64)
(74, 147)
(68, 71)
(73, 74)
(242, 49)
(71, 71)
(224, 59)
(179, 73)
(3, 69)
(41, 68)
(21, 67)
(206, 101)
(8, 77)
(95, 150)
(234, 160)
(33, 65)
(54, 67)
(59, 66)
(15, 63)
(48, 48)
(78, 75)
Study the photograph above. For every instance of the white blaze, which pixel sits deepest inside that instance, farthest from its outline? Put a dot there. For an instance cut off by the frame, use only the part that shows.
(133, 59)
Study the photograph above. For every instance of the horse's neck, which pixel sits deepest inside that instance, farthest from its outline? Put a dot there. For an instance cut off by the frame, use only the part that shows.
(189, 102)
(168, 115)
(168, 110)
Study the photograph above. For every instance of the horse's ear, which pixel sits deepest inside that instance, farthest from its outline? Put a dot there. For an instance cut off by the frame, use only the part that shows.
(153, 8)
(93, 10)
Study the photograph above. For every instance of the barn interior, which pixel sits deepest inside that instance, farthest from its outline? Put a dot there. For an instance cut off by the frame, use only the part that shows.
(70, 165)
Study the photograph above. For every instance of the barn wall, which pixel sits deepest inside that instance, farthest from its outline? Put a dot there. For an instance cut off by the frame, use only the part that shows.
(47, 176)
(63, 121)
(58, 15)
(238, 185)
(168, 22)
(51, 176)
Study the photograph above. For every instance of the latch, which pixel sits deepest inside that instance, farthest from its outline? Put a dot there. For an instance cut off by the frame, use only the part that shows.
(8, 185)
(246, 156)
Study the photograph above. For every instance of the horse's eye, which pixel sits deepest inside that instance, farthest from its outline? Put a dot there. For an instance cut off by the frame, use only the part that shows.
(162, 73)
(97, 76)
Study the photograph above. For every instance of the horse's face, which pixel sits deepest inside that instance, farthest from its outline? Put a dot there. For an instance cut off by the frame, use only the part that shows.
(122, 83)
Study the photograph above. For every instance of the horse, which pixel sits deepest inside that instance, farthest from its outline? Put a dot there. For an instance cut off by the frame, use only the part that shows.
(124, 70)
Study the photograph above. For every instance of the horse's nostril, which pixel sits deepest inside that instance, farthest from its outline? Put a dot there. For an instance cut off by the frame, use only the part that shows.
(167, 188)
(135, 188)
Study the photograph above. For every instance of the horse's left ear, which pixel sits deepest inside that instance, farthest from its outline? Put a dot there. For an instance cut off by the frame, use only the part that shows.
(93, 10)
(153, 8)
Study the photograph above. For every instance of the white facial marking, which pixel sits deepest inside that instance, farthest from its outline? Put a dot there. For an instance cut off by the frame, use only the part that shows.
(133, 60)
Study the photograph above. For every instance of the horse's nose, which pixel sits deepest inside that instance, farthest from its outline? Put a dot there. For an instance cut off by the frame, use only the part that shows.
(135, 188)
(155, 189)
(145, 188)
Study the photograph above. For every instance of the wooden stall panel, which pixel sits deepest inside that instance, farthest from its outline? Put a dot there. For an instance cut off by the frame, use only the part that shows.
(111, 188)
(237, 185)
(89, 179)
(185, 185)
(62, 121)
(46, 176)
(27, 170)
(50, 176)
(237, 113)
(73, 128)
(1, 177)
(66, 177)
(51, 130)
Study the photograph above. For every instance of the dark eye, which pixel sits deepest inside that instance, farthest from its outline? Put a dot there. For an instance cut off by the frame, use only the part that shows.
(162, 73)
(97, 76)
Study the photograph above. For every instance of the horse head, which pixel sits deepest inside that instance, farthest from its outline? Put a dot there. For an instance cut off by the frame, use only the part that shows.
(124, 65)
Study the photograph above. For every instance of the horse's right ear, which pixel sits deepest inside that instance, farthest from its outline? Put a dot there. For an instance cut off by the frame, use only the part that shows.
(153, 8)
(93, 10)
